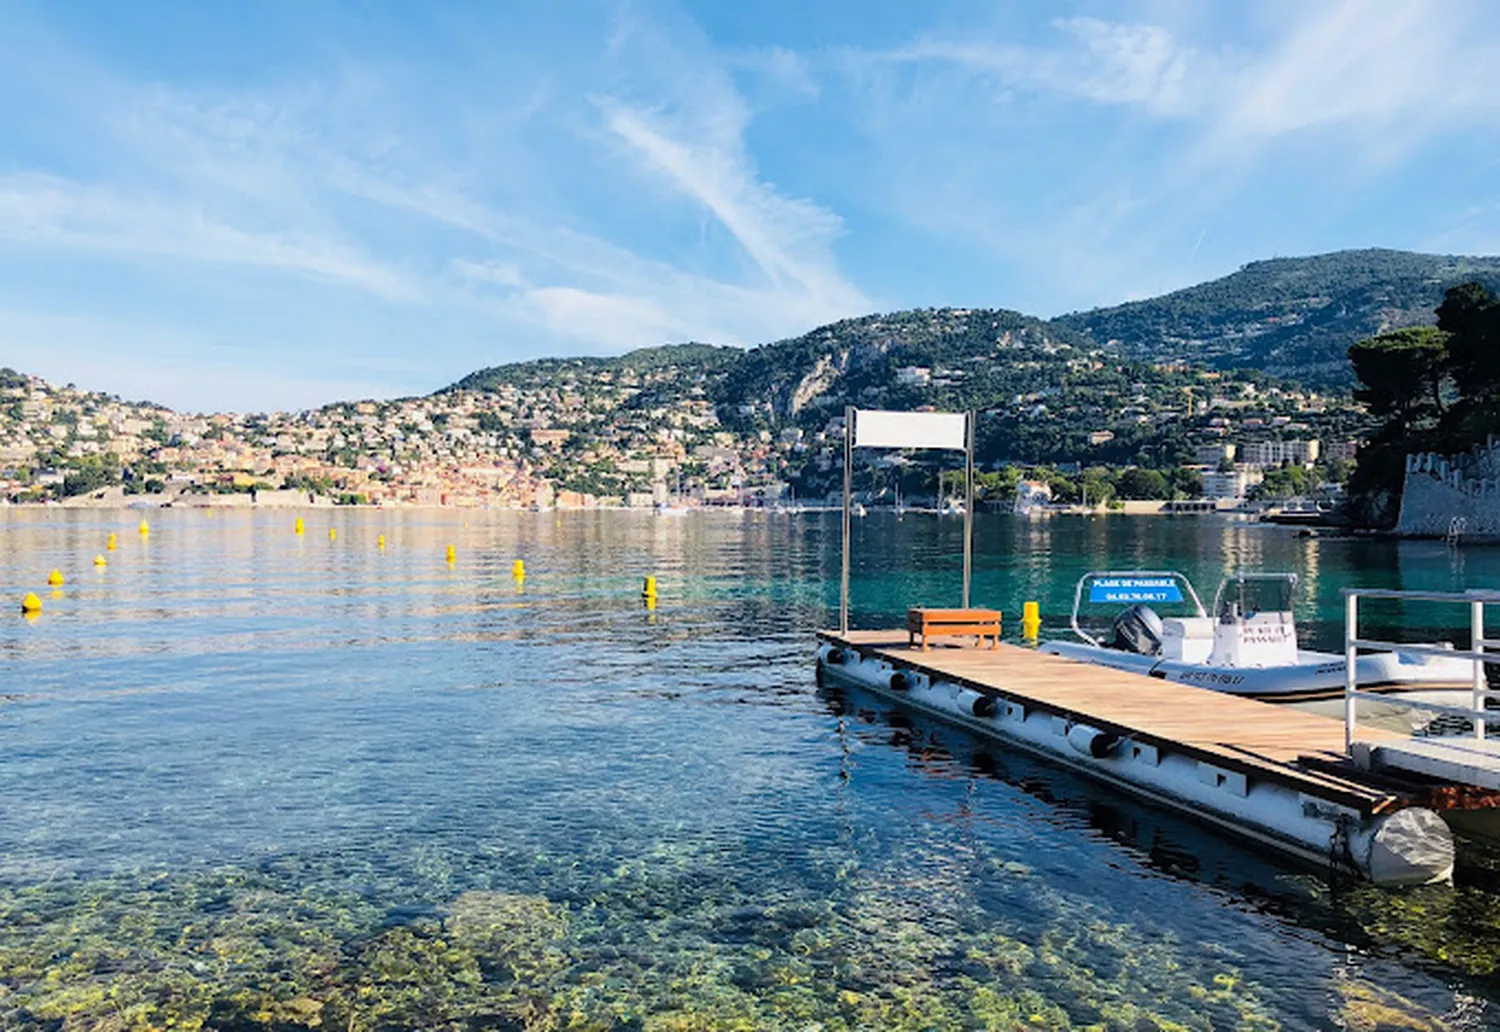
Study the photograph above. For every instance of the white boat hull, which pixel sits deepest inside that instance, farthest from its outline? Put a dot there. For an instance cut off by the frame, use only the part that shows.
(1314, 675)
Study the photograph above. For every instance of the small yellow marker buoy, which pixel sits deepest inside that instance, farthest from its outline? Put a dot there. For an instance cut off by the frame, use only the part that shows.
(333, 535)
(31, 604)
(55, 578)
(1031, 621)
(380, 541)
(452, 555)
(518, 570)
(110, 544)
(298, 528)
(144, 528)
(648, 590)
(99, 560)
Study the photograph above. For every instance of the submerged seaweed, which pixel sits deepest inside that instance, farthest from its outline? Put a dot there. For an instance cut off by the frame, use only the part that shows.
(641, 946)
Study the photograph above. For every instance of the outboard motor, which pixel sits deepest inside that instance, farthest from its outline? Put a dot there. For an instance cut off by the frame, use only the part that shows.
(1138, 630)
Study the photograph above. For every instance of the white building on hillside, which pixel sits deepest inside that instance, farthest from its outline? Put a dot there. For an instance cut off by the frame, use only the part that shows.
(1270, 454)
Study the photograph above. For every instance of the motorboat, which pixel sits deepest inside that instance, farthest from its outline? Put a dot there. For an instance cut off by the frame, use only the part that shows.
(1247, 647)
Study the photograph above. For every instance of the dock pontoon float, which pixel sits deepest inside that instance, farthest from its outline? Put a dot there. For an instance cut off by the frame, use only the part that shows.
(1336, 795)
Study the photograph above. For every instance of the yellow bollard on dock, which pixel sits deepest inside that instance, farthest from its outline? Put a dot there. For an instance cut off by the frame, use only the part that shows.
(1031, 621)
(55, 579)
(298, 528)
(31, 604)
(99, 560)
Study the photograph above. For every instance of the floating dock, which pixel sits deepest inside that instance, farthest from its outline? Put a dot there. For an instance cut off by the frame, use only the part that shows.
(1276, 776)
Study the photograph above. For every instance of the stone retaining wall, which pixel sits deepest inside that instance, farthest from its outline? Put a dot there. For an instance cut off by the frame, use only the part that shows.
(1445, 494)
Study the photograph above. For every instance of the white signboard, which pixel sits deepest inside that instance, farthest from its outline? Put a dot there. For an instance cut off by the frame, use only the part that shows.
(875, 429)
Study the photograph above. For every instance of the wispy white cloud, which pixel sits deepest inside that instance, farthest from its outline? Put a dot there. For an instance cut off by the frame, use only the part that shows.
(1109, 63)
(1090, 158)
(51, 212)
(788, 239)
(785, 70)
(1344, 63)
(453, 204)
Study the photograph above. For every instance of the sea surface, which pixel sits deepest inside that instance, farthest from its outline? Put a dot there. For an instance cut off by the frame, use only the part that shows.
(256, 780)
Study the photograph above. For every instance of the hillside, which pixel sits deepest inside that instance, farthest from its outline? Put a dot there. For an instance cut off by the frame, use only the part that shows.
(640, 361)
(1291, 317)
(1118, 386)
(1048, 394)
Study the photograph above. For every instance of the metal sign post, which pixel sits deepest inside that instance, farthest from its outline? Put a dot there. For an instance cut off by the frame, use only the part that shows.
(848, 480)
(968, 503)
(943, 430)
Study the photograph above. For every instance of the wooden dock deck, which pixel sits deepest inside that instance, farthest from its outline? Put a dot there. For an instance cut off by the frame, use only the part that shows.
(1302, 750)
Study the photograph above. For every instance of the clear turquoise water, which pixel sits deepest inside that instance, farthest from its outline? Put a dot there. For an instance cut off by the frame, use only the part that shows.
(251, 780)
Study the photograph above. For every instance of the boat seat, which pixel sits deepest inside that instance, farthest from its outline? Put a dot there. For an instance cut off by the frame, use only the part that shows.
(1188, 639)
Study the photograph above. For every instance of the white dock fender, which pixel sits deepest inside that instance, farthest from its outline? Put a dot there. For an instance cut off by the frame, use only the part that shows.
(1090, 741)
(1409, 847)
(975, 704)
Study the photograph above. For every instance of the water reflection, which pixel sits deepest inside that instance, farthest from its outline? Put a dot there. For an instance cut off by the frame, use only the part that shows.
(263, 780)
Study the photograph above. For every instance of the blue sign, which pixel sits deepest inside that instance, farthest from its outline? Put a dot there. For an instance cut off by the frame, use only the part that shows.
(1134, 589)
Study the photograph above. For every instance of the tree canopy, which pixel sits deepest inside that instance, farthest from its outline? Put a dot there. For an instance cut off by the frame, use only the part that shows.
(1437, 389)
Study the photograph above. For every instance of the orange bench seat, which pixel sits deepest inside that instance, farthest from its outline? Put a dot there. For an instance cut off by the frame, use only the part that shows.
(968, 623)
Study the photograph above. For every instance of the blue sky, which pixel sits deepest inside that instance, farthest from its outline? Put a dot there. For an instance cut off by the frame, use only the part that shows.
(252, 206)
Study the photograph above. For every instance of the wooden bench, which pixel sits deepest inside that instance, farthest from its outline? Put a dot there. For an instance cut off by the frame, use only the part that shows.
(934, 623)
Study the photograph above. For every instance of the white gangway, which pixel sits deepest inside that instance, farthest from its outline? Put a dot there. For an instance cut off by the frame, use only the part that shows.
(1471, 760)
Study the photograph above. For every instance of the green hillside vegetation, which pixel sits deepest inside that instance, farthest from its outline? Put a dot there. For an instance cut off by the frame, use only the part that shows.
(642, 360)
(1047, 397)
(1293, 317)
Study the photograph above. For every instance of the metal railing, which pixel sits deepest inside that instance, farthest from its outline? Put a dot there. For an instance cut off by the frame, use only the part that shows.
(1481, 651)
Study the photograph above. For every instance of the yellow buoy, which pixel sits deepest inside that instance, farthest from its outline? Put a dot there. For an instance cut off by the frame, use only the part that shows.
(650, 601)
(380, 541)
(31, 604)
(648, 590)
(1031, 621)
(110, 544)
(144, 528)
(452, 554)
(55, 578)
(333, 535)
(518, 570)
(298, 528)
(99, 560)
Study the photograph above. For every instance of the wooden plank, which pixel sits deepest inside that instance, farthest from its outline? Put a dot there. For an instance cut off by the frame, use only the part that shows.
(956, 615)
(1250, 737)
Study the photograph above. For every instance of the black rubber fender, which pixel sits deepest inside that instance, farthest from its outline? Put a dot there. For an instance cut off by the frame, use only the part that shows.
(984, 706)
(835, 657)
(901, 681)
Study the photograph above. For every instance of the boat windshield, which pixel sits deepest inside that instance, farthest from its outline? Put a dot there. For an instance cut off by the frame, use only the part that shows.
(1102, 596)
(1244, 595)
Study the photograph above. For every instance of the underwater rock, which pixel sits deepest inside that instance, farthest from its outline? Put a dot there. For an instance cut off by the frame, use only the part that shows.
(1368, 1008)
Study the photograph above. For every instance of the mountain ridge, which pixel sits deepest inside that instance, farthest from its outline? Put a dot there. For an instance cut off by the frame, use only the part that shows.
(1293, 318)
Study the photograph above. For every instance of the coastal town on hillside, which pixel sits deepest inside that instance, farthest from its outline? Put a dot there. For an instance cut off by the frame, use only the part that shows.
(590, 438)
